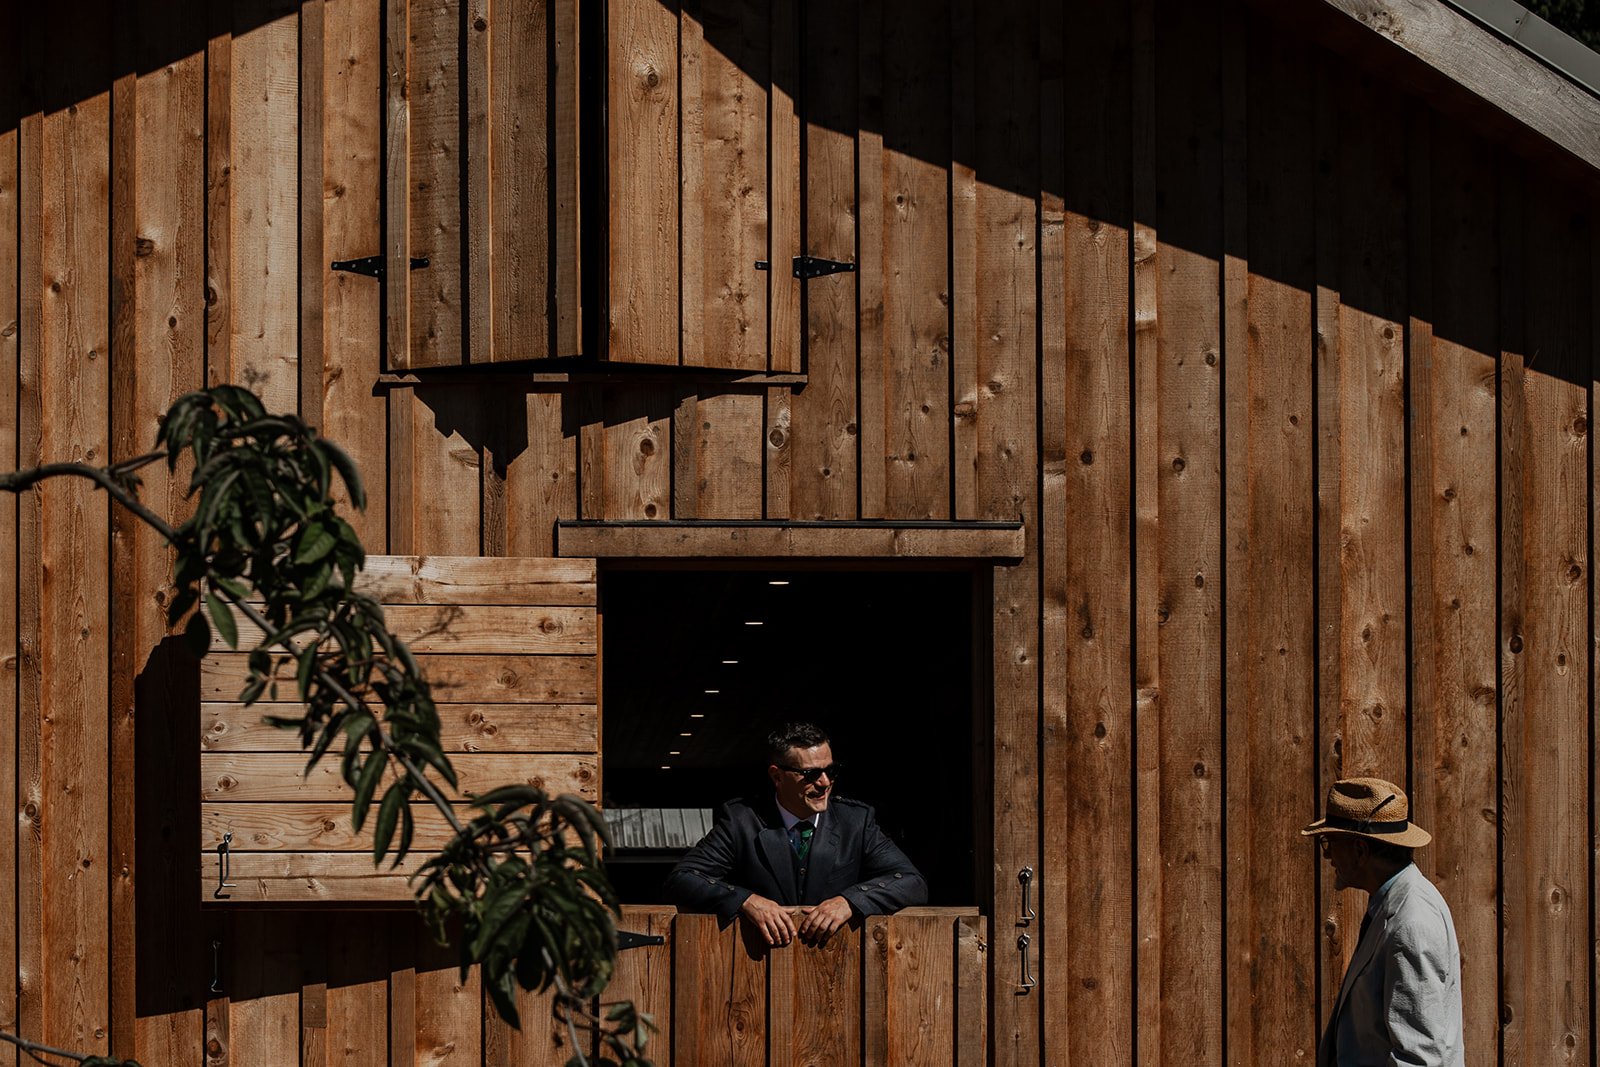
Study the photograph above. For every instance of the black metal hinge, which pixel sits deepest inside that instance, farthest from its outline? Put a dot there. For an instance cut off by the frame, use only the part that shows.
(813, 267)
(372, 266)
(629, 939)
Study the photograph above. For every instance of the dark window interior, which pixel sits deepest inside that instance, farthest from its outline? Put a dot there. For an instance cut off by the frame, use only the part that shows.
(882, 661)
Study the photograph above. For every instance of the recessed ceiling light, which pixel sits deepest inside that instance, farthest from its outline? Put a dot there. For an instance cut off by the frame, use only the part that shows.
(697, 715)
(754, 623)
(713, 691)
(730, 662)
(686, 733)
(675, 752)
(666, 766)
(779, 581)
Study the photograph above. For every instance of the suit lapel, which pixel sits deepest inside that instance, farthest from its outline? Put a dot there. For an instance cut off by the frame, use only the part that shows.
(773, 841)
(1369, 944)
(824, 850)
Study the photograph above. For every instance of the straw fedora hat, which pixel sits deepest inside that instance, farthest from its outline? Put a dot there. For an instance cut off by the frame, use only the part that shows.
(1369, 807)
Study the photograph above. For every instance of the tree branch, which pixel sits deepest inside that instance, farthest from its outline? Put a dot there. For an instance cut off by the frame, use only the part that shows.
(17, 481)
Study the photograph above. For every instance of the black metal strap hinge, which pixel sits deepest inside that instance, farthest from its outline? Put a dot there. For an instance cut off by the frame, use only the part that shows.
(813, 267)
(629, 939)
(372, 266)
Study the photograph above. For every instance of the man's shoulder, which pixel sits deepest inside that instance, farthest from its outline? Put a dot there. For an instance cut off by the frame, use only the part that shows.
(851, 811)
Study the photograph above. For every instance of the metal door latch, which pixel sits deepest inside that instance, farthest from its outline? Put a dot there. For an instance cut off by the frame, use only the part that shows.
(1027, 915)
(224, 864)
(813, 267)
(1028, 982)
(372, 266)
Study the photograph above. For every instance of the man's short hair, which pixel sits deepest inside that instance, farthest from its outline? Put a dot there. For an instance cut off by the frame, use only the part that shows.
(1383, 850)
(793, 735)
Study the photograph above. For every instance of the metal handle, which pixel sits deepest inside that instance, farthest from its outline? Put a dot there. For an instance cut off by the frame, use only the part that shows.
(1027, 915)
(224, 865)
(1023, 941)
(216, 966)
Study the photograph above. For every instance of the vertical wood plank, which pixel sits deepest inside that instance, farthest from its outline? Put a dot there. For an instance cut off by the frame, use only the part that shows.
(1454, 505)
(921, 990)
(397, 184)
(915, 236)
(401, 450)
(475, 211)
(11, 328)
(165, 361)
(445, 492)
(74, 530)
(433, 79)
(1510, 195)
(341, 400)
(1143, 459)
(542, 1042)
(263, 201)
(219, 191)
(520, 179)
(120, 861)
(448, 1012)
(262, 977)
(869, 176)
(1086, 432)
(1371, 721)
(875, 991)
(1188, 476)
(777, 474)
(963, 254)
(823, 428)
(644, 976)
(638, 467)
(725, 69)
(1330, 441)
(814, 1002)
(1007, 164)
(972, 991)
(539, 456)
(728, 440)
(783, 179)
(1272, 875)
(719, 995)
(313, 210)
(568, 259)
(30, 347)
(642, 90)
(357, 949)
(1546, 849)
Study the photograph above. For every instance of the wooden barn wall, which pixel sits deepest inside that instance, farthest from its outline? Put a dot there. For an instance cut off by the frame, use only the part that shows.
(1289, 377)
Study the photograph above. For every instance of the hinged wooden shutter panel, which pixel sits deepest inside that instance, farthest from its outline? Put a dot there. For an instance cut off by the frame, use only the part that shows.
(510, 648)
(704, 158)
(482, 181)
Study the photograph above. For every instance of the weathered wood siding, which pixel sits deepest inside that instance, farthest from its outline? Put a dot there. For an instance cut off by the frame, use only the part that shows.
(1288, 375)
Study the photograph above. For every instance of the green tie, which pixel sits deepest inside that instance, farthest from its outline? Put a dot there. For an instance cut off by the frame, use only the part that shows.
(803, 831)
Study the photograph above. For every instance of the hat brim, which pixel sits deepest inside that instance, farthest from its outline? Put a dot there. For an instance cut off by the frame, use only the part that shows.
(1413, 836)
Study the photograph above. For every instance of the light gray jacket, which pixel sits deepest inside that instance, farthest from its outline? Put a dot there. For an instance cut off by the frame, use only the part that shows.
(1400, 1004)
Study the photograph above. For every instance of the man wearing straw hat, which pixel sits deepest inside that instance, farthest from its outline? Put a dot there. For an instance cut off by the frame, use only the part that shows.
(1400, 1002)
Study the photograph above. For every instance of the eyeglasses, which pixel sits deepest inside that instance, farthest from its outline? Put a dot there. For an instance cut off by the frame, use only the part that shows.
(812, 775)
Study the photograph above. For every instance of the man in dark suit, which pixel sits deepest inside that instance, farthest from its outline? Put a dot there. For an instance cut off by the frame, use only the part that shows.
(801, 862)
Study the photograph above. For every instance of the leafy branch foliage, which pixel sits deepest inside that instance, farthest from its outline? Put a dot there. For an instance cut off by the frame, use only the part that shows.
(521, 881)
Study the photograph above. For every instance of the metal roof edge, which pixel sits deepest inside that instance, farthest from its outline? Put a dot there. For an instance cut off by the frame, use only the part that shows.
(1532, 34)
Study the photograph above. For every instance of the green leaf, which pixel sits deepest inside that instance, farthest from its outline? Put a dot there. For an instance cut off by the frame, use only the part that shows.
(394, 801)
(407, 828)
(347, 472)
(371, 774)
(198, 635)
(224, 619)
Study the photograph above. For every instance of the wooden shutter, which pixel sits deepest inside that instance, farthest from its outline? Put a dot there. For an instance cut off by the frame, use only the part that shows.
(510, 647)
(482, 181)
(703, 169)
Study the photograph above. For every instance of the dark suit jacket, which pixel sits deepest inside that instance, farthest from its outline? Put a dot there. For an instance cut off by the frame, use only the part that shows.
(748, 851)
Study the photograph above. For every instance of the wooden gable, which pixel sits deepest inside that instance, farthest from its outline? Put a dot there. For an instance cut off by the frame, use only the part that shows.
(511, 649)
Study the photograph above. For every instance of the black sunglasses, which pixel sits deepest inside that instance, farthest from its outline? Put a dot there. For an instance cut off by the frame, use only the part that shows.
(812, 775)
